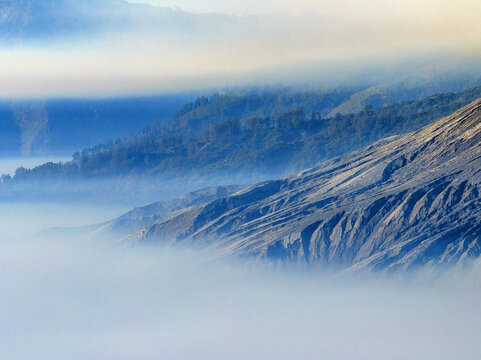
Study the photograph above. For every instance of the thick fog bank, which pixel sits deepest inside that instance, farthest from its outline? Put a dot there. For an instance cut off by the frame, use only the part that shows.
(71, 299)
(21, 220)
(123, 190)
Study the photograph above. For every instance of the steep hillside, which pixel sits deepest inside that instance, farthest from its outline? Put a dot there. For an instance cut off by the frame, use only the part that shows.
(196, 118)
(146, 216)
(397, 205)
(290, 141)
(445, 76)
(160, 211)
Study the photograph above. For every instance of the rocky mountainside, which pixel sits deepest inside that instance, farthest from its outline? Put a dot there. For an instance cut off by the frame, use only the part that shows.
(145, 216)
(406, 202)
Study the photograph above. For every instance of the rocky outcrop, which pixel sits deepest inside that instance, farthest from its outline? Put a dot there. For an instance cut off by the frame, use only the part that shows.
(409, 202)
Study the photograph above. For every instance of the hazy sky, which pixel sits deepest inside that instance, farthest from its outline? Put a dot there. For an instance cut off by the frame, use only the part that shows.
(268, 41)
(238, 7)
(330, 7)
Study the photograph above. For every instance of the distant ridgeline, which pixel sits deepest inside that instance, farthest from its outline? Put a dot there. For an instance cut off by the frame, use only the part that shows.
(193, 144)
(64, 126)
(196, 118)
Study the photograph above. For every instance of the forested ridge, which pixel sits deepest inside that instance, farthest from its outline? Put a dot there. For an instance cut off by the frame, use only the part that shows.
(283, 142)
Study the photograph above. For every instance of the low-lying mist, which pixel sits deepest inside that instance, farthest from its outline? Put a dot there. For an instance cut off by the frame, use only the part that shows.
(128, 190)
(8, 165)
(73, 299)
(105, 48)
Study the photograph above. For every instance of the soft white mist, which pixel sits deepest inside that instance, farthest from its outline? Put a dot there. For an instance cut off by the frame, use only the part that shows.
(71, 299)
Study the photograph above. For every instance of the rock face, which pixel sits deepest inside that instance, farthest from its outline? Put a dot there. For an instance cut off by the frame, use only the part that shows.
(413, 201)
(145, 216)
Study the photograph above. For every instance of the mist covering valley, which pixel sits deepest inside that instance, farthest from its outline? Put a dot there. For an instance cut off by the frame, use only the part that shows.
(77, 299)
(76, 285)
(212, 180)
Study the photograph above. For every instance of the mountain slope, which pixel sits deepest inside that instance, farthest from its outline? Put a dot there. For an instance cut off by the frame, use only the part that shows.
(142, 217)
(435, 78)
(397, 205)
(292, 141)
(264, 148)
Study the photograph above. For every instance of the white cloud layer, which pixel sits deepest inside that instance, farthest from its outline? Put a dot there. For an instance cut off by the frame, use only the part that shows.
(75, 299)
(204, 51)
(346, 8)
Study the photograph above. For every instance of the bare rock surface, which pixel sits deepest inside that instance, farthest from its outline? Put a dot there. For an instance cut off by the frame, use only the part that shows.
(409, 202)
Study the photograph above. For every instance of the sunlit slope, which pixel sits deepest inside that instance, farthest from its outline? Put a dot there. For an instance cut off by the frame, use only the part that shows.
(424, 81)
(395, 205)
